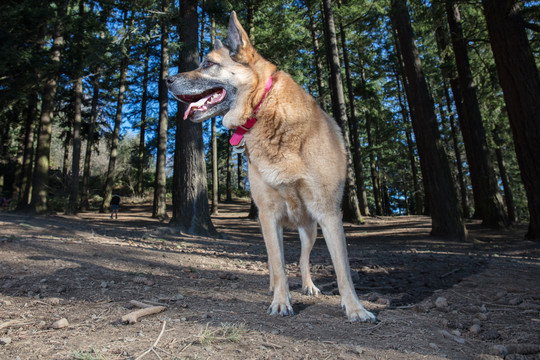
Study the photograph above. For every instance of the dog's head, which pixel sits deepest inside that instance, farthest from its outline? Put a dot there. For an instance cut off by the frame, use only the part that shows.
(229, 81)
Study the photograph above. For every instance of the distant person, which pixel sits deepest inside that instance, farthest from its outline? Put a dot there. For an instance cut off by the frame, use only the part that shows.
(4, 202)
(115, 203)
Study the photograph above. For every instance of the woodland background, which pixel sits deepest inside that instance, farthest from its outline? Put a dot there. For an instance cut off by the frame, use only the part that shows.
(438, 100)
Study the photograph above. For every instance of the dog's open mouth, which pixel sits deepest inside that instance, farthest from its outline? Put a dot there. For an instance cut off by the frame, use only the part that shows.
(202, 102)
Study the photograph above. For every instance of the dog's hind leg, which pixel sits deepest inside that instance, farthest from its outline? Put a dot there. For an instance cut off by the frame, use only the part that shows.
(334, 235)
(308, 234)
(273, 238)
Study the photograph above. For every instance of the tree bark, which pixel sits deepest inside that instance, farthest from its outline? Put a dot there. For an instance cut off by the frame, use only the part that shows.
(73, 204)
(190, 198)
(321, 98)
(508, 194)
(28, 155)
(228, 180)
(373, 167)
(487, 198)
(160, 188)
(354, 132)
(40, 183)
(520, 81)
(142, 132)
(445, 212)
(351, 210)
(215, 185)
(417, 195)
(90, 141)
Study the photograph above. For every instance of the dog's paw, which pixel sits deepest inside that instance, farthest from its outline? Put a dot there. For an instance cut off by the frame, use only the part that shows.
(358, 313)
(311, 290)
(280, 309)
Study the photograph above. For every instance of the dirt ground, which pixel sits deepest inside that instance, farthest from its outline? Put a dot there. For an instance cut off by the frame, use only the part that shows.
(433, 299)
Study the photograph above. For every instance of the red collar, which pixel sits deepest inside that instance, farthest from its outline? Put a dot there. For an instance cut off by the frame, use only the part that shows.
(238, 135)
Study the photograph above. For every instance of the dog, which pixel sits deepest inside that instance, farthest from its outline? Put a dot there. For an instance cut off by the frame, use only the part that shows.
(296, 157)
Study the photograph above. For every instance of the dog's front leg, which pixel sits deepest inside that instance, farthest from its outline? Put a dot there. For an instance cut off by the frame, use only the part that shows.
(273, 238)
(334, 235)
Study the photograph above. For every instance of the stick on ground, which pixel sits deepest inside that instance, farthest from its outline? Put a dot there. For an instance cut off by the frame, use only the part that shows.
(134, 316)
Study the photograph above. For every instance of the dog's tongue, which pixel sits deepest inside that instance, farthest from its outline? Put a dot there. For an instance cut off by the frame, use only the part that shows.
(200, 105)
(196, 106)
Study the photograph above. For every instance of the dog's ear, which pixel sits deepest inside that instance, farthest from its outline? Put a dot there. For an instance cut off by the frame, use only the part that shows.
(237, 38)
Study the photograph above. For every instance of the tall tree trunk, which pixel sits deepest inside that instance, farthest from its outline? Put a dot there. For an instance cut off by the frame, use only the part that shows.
(445, 212)
(351, 210)
(487, 198)
(65, 161)
(447, 71)
(354, 131)
(40, 183)
(239, 171)
(228, 181)
(520, 82)
(373, 167)
(160, 188)
(28, 155)
(406, 88)
(417, 195)
(321, 98)
(508, 194)
(142, 132)
(73, 204)
(190, 198)
(215, 186)
(85, 205)
(215, 181)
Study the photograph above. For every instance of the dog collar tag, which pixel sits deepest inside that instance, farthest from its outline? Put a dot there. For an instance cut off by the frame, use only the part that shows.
(240, 148)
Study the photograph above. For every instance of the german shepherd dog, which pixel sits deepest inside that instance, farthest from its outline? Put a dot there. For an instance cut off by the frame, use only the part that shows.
(296, 157)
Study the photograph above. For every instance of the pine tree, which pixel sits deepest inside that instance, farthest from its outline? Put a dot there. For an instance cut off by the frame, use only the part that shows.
(445, 213)
(520, 81)
(190, 197)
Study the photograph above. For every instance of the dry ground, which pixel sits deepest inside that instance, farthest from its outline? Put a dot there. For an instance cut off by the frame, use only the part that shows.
(433, 299)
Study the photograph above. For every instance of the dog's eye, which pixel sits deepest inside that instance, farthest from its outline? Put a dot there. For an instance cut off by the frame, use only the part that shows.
(208, 64)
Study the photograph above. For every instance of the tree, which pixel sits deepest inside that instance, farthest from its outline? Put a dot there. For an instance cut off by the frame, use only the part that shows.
(520, 81)
(351, 210)
(445, 213)
(190, 197)
(159, 209)
(353, 130)
(73, 205)
(143, 124)
(487, 198)
(41, 168)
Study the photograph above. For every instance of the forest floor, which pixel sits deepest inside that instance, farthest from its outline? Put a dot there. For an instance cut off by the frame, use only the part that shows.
(433, 299)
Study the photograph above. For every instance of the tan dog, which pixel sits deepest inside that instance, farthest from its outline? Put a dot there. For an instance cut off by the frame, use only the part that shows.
(297, 160)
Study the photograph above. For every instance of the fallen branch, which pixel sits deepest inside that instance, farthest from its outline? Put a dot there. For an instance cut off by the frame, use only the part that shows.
(13, 323)
(145, 310)
(155, 342)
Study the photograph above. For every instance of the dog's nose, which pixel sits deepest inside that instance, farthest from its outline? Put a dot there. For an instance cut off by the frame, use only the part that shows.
(170, 80)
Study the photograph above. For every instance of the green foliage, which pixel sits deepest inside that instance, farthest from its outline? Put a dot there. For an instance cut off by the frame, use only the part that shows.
(98, 37)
